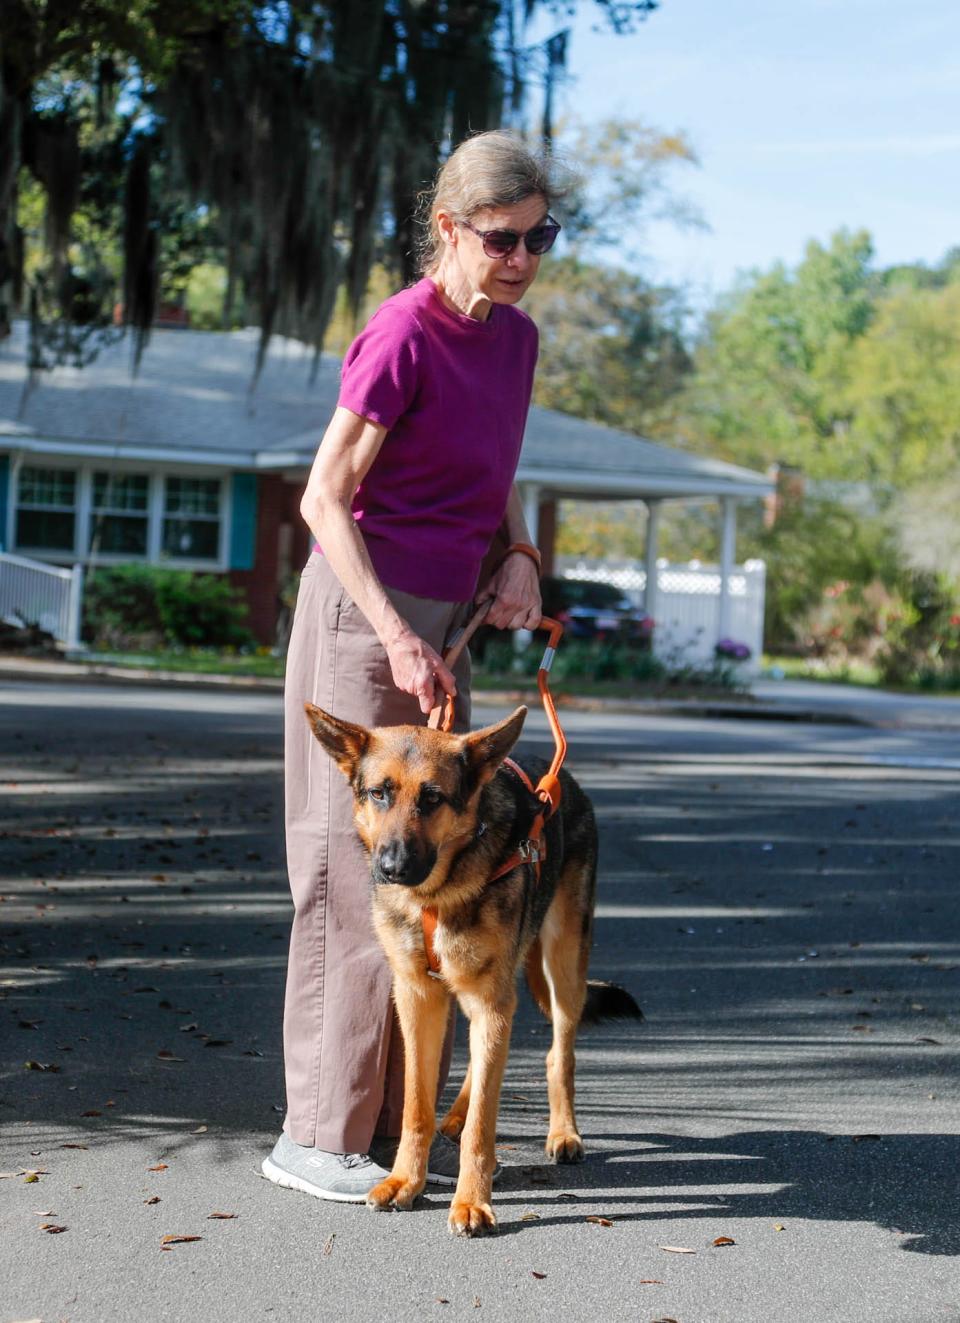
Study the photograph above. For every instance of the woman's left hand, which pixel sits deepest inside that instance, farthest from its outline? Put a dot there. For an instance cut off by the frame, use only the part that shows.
(514, 593)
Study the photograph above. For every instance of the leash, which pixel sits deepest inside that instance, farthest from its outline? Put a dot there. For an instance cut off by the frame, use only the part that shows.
(532, 849)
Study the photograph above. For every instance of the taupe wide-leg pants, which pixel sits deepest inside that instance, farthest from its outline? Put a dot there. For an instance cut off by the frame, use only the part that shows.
(342, 1045)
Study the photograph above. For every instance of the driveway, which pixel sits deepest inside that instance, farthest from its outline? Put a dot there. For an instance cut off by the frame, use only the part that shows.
(779, 896)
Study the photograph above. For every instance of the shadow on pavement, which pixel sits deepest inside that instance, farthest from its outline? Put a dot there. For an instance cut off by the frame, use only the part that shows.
(789, 936)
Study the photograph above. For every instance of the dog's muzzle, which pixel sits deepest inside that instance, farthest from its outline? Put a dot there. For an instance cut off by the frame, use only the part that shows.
(400, 863)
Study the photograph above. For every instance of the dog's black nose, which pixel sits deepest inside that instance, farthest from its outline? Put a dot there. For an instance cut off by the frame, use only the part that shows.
(393, 862)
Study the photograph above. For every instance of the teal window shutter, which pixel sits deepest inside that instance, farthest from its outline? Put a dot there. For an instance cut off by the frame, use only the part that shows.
(243, 526)
(4, 498)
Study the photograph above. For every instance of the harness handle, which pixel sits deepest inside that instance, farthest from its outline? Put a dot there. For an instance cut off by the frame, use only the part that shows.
(441, 718)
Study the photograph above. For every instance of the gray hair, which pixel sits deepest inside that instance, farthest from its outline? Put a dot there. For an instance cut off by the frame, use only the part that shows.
(492, 169)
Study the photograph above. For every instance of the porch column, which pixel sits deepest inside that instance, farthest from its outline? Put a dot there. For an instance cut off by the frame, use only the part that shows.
(650, 557)
(530, 495)
(728, 555)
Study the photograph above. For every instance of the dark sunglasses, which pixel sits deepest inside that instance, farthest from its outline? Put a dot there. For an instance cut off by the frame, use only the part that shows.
(501, 243)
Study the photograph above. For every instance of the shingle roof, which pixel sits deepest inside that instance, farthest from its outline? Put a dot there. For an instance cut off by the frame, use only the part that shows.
(191, 402)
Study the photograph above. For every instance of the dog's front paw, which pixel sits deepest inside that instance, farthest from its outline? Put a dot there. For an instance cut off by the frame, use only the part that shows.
(564, 1146)
(394, 1192)
(467, 1219)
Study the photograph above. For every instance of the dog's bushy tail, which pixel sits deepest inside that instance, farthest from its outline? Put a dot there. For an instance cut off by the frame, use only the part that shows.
(608, 1001)
(605, 1001)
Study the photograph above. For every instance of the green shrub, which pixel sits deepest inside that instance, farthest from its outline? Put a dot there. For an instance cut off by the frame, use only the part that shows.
(921, 643)
(143, 607)
(608, 660)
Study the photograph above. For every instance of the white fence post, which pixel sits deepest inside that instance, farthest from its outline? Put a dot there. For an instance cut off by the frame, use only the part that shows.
(74, 607)
(688, 605)
(33, 593)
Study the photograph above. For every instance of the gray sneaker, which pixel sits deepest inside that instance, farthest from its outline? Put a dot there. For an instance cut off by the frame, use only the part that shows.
(345, 1177)
(443, 1163)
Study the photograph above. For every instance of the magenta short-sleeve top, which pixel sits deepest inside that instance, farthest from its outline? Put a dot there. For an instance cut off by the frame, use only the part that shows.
(453, 393)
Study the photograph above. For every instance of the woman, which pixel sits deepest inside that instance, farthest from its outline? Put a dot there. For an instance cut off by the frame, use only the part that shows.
(411, 483)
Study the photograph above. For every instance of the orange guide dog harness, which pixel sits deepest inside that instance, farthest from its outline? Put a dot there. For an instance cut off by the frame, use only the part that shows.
(532, 849)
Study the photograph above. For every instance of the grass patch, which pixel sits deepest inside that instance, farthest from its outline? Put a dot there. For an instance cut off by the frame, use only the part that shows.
(857, 674)
(658, 682)
(814, 668)
(196, 661)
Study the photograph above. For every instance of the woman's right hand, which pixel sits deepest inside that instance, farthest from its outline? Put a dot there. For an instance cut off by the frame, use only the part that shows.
(417, 669)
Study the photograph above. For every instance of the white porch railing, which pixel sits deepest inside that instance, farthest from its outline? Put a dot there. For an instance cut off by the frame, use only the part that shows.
(687, 605)
(32, 593)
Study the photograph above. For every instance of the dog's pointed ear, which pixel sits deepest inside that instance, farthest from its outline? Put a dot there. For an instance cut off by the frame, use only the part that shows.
(486, 749)
(345, 742)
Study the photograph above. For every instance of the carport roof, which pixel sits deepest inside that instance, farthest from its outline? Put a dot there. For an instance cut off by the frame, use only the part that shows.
(190, 403)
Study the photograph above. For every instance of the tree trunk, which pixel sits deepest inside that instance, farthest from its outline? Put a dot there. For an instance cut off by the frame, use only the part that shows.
(11, 252)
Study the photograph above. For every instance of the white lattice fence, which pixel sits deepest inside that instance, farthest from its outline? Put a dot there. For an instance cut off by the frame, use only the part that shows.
(687, 604)
(36, 594)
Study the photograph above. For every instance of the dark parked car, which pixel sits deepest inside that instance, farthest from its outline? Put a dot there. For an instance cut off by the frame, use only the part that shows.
(587, 608)
(590, 609)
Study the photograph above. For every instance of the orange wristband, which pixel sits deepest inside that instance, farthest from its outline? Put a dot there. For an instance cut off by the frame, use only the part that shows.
(525, 549)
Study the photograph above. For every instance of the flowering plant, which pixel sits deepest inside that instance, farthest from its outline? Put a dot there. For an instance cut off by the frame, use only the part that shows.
(732, 650)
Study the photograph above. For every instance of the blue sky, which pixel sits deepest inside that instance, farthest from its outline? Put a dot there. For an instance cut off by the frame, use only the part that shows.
(807, 115)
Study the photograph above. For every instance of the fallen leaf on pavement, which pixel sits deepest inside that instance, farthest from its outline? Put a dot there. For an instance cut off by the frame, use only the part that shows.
(530, 1217)
(75, 1146)
(200, 1130)
(778, 1226)
(161, 1166)
(223, 1217)
(92, 1112)
(166, 1055)
(50, 1066)
(650, 1281)
(329, 1244)
(154, 1199)
(177, 1240)
(934, 1041)
(600, 1221)
(51, 1228)
(539, 1275)
(724, 1240)
(677, 1249)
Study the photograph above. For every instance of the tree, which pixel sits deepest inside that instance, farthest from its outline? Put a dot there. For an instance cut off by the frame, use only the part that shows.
(771, 366)
(903, 389)
(303, 131)
(611, 346)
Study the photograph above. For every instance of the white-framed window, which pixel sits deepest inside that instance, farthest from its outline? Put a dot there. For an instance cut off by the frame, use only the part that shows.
(191, 518)
(46, 509)
(63, 512)
(120, 514)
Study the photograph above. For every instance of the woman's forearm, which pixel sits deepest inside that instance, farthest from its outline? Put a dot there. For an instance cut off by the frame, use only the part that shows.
(332, 523)
(514, 523)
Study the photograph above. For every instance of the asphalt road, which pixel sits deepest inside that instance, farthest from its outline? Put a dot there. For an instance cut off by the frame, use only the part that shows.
(780, 897)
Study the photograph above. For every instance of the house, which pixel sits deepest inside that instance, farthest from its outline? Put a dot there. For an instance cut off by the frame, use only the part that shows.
(183, 465)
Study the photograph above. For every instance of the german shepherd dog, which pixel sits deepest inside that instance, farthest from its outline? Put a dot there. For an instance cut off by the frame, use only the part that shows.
(438, 814)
